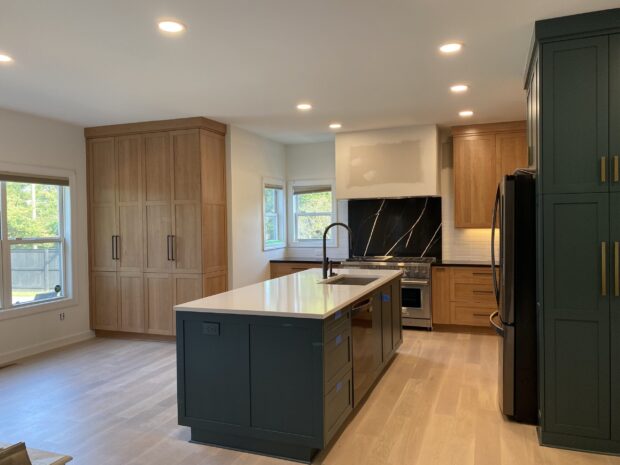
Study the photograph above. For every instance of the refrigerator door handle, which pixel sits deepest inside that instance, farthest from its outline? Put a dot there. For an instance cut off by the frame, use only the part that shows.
(498, 329)
(493, 221)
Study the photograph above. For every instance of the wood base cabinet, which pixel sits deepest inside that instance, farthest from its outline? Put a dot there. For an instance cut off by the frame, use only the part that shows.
(157, 220)
(462, 295)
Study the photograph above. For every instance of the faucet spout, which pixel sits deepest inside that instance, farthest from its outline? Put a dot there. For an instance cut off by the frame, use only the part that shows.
(326, 262)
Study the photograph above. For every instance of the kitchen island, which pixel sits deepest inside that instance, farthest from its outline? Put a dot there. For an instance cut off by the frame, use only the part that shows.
(278, 367)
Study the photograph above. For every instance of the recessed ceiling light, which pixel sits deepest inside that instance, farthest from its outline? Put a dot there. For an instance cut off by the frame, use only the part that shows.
(459, 88)
(451, 48)
(335, 126)
(304, 107)
(466, 113)
(5, 58)
(171, 26)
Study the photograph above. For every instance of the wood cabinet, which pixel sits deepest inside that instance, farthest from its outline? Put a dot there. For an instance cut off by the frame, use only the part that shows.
(462, 295)
(279, 269)
(157, 220)
(483, 154)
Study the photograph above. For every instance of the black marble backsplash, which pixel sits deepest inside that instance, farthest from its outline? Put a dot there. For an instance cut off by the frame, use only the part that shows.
(409, 227)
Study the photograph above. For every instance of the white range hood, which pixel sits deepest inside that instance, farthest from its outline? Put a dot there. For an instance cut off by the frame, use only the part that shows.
(394, 162)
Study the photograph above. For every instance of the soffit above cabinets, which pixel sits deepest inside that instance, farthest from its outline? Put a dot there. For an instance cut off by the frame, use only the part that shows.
(394, 162)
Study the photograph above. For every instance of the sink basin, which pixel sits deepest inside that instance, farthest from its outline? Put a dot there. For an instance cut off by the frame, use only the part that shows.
(349, 280)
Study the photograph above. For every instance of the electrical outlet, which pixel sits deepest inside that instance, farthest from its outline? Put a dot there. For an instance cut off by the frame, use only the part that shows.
(61, 316)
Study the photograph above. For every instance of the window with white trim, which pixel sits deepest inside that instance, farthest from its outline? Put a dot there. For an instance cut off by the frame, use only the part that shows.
(32, 225)
(274, 214)
(313, 208)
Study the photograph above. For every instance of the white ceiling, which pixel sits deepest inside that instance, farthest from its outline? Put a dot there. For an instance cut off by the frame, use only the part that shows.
(365, 63)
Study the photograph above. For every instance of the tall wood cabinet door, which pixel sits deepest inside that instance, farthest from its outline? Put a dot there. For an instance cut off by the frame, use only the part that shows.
(614, 111)
(474, 158)
(159, 300)
(131, 302)
(157, 217)
(102, 196)
(615, 315)
(511, 153)
(440, 298)
(575, 116)
(576, 299)
(186, 288)
(187, 208)
(104, 300)
(130, 217)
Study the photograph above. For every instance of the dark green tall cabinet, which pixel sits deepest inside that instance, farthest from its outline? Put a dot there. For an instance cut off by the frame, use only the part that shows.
(573, 96)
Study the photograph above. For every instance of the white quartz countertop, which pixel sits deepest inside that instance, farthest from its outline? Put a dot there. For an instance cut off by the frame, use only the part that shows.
(300, 295)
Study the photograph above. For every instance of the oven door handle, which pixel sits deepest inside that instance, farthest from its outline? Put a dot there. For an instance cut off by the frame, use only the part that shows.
(419, 282)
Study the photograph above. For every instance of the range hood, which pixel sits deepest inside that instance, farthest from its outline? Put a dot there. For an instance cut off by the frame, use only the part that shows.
(385, 163)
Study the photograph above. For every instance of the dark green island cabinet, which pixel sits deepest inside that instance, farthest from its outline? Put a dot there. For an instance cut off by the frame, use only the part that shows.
(279, 385)
(573, 88)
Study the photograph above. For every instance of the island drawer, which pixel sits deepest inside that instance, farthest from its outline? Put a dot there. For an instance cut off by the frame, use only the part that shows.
(333, 323)
(337, 353)
(338, 405)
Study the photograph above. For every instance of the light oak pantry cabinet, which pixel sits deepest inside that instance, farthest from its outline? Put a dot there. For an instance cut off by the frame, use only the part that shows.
(157, 221)
(483, 154)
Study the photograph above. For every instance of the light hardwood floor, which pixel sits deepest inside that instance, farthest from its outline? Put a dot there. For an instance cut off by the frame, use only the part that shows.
(110, 401)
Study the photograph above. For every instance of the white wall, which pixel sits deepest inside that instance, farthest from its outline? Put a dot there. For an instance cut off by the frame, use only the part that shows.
(458, 243)
(250, 158)
(316, 161)
(40, 142)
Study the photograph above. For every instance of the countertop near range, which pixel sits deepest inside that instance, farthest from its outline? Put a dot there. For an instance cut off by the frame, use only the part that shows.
(299, 295)
(462, 263)
(305, 260)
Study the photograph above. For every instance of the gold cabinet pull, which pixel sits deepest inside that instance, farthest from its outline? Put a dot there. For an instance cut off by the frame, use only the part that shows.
(603, 169)
(616, 172)
(603, 268)
(616, 268)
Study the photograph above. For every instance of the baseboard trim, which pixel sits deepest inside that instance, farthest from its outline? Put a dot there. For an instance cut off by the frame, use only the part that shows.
(15, 355)
(134, 336)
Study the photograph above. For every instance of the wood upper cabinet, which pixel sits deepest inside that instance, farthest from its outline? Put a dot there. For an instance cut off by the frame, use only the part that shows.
(483, 154)
(157, 208)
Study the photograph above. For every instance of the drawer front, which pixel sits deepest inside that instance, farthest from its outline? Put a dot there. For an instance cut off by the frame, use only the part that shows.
(278, 270)
(470, 314)
(338, 405)
(337, 355)
(334, 322)
(477, 275)
(474, 293)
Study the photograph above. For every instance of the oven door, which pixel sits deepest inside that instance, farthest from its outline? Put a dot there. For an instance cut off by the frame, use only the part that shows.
(416, 302)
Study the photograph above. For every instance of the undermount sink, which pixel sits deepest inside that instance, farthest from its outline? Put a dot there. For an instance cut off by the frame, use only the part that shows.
(349, 280)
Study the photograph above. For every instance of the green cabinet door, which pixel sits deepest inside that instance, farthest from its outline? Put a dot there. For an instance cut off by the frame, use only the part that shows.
(397, 313)
(615, 315)
(386, 325)
(614, 111)
(576, 300)
(575, 115)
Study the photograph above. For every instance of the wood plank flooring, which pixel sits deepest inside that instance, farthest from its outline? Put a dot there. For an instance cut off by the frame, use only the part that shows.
(113, 402)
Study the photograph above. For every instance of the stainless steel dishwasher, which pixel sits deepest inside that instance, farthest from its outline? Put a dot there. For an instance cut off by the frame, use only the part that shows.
(366, 341)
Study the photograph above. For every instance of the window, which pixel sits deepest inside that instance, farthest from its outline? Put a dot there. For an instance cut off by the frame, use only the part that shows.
(313, 209)
(32, 240)
(274, 218)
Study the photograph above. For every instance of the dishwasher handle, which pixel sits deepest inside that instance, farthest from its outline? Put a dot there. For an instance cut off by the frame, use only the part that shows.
(365, 305)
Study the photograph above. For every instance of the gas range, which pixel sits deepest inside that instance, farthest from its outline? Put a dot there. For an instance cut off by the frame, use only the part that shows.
(413, 267)
(415, 284)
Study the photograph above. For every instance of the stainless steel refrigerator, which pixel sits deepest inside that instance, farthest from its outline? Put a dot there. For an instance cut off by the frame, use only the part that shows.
(514, 277)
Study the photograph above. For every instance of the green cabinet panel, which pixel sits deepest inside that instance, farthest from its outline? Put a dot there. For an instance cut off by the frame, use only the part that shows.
(614, 111)
(615, 314)
(575, 115)
(216, 348)
(289, 354)
(397, 314)
(387, 318)
(576, 314)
